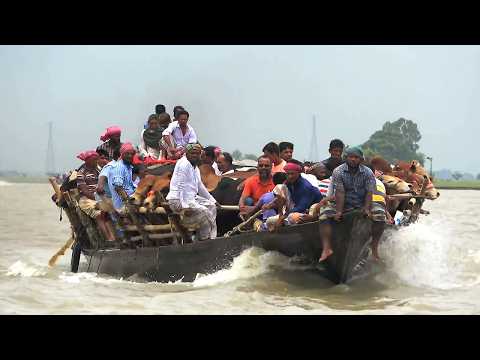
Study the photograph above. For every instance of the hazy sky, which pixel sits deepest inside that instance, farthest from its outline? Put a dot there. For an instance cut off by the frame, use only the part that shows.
(239, 97)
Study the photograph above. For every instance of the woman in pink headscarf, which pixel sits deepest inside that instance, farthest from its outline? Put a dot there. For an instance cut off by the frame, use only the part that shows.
(111, 140)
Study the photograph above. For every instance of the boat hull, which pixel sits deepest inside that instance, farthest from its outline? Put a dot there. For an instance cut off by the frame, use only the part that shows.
(184, 262)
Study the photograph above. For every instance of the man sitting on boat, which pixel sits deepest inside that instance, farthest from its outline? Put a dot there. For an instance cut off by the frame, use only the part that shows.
(297, 196)
(151, 137)
(120, 179)
(87, 178)
(286, 150)
(178, 134)
(353, 185)
(225, 163)
(209, 157)
(336, 150)
(269, 206)
(257, 185)
(103, 194)
(111, 140)
(189, 197)
(272, 151)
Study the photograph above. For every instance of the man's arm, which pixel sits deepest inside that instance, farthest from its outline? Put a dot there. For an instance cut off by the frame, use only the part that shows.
(371, 184)
(101, 184)
(167, 132)
(141, 146)
(245, 193)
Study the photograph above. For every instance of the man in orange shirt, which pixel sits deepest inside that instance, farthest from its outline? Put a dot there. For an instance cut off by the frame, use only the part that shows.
(272, 151)
(257, 185)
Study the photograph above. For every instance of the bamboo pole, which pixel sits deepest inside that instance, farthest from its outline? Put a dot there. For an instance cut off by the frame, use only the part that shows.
(56, 188)
(61, 252)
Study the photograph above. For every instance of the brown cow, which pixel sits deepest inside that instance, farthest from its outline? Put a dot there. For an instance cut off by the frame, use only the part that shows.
(380, 164)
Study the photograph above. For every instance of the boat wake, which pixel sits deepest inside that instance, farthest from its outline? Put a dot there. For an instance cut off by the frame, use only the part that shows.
(251, 263)
(22, 269)
(423, 255)
(5, 183)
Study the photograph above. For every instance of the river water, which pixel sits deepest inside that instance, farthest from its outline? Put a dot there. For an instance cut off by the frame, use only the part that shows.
(432, 267)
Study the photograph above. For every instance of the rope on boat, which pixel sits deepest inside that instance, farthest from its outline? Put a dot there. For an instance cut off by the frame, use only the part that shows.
(238, 228)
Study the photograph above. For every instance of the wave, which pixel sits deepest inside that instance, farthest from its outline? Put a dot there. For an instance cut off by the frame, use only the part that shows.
(424, 255)
(250, 263)
(5, 183)
(20, 268)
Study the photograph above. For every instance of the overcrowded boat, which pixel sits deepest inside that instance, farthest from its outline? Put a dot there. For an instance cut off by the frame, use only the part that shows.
(170, 209)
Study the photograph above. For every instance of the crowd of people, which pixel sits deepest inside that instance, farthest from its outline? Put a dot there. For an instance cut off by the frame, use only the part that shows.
(284, 190)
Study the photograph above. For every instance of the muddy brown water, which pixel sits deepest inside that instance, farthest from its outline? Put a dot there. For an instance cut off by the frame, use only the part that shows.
(432, 267)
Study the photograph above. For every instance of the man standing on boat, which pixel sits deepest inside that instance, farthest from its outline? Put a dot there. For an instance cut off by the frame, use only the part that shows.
(189, 197)
(119, 177)
(353, 185)
(111, 140)
(178, 134)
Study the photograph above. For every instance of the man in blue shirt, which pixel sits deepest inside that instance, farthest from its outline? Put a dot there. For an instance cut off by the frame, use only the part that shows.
(302, 193)
(119, 177)
(294, 198)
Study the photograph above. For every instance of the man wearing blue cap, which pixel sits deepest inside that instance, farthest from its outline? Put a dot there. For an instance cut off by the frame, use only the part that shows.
(353, 184)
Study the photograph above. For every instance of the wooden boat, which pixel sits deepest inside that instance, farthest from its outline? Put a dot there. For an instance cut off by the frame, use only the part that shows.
(185, 261)
(162, 257)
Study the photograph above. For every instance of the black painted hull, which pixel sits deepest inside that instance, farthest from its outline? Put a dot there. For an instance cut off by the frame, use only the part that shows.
(172, 263)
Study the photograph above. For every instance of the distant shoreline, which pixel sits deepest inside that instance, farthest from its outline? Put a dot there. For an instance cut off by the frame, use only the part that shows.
(25, 179)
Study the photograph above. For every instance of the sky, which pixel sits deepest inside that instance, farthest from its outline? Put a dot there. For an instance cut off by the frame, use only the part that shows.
(238, 97)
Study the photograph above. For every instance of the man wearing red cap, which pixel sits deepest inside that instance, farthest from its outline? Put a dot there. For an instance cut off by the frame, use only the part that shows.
(111, 140)
(298, 195)
(120, 180)
(87, 178)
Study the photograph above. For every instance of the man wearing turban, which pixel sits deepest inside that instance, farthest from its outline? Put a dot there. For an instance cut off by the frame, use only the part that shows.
(120, 180)
(189, 197)
(111, 141)
(87, 178)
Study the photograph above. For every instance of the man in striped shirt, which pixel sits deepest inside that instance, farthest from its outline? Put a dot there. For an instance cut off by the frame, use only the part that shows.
(87, 178)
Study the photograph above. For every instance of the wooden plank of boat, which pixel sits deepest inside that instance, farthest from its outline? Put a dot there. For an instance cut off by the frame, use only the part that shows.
(171, 263)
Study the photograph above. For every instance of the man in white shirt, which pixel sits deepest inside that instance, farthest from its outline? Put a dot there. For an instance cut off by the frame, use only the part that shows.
(189, 197)
(178, 134)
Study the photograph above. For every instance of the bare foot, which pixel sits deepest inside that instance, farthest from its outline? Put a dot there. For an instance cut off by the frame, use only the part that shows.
(325, 254)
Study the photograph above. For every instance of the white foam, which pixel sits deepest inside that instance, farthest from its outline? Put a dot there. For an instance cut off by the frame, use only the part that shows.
(423, 255)
(21, 269)
(5, 183)
(249, 264)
